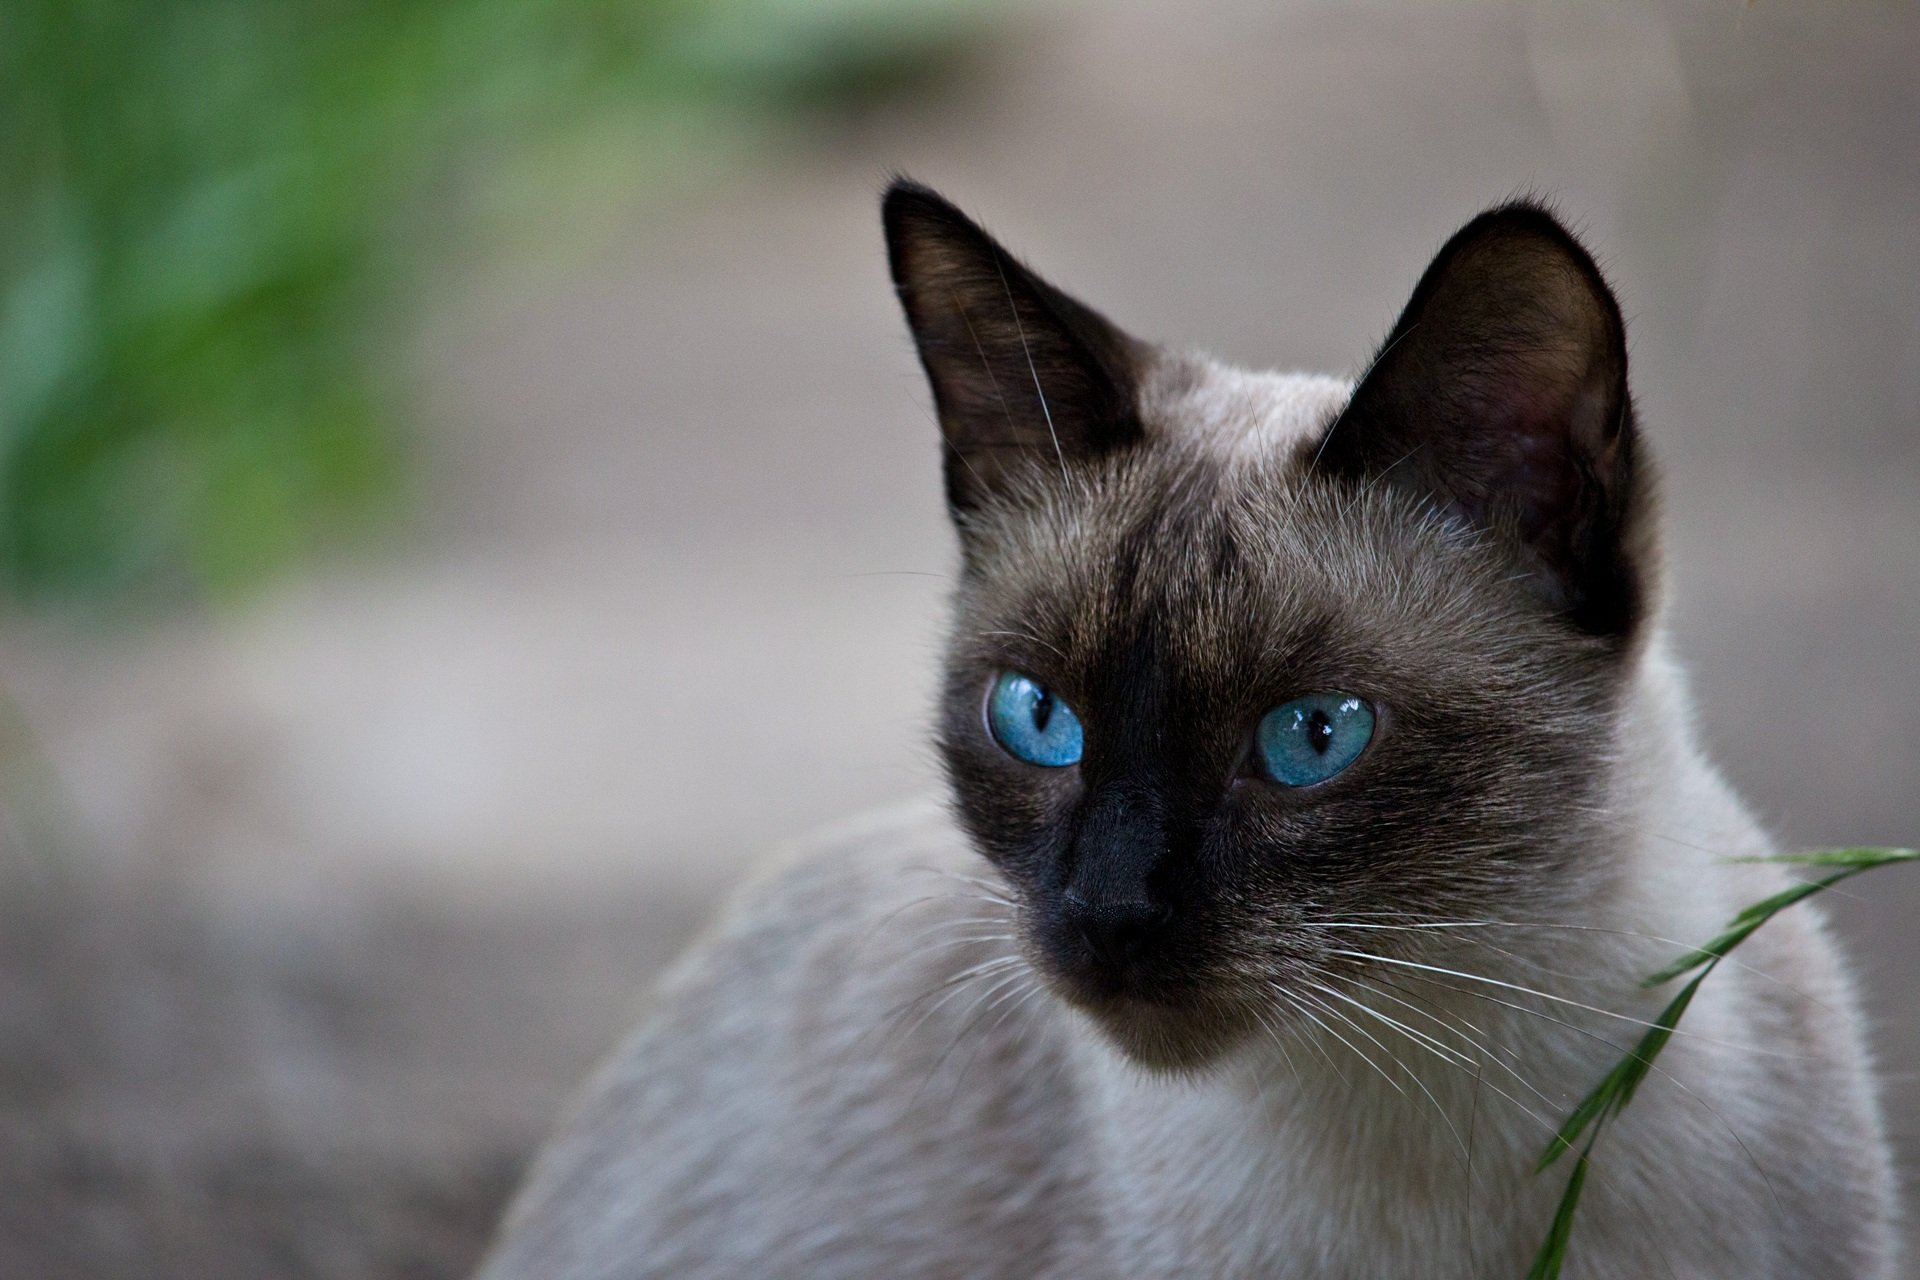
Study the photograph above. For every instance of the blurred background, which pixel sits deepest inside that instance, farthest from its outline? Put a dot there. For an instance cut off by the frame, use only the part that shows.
(465, 491)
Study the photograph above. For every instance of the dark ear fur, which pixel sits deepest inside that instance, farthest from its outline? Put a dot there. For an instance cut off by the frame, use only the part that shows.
(1502, 393)
(1022, 375)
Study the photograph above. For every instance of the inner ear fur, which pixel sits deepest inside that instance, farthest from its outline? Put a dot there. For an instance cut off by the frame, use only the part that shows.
(1501, 393)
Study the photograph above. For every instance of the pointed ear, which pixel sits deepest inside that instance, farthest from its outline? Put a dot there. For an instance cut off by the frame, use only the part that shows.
(1502, 394)
(1023, 376)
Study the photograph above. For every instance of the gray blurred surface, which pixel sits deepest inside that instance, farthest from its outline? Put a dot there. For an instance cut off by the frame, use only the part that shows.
(348, 889)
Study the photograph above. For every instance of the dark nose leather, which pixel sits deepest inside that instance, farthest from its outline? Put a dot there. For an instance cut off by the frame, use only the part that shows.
(1116, 933)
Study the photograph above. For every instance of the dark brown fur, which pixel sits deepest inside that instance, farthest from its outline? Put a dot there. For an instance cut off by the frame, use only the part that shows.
(1458, 548)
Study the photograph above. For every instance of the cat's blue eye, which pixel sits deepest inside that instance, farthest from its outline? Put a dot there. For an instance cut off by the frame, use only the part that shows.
(1310, 739)
(1031, 723)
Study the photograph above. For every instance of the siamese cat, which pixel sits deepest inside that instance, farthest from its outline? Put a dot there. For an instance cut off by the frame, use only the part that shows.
(1322, 790)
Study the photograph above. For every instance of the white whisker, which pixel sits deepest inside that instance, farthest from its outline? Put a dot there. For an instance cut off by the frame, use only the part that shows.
(1391, 1056)
(1547, 995)
(1045, 412)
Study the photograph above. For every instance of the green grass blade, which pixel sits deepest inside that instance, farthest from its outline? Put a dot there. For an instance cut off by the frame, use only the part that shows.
(1591, 1108)
(1709, 953)
(1616, 1090)
(1861, 858)
(1766, 907)
(1639, 1062)
(1759, 913)
(1553, 1251)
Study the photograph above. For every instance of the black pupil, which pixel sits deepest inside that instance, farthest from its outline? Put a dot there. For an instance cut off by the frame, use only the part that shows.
(1042, 709)
(1319, 732)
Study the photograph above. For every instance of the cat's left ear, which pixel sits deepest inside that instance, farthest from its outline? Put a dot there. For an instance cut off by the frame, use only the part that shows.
(1026, 380)
(1501, 393)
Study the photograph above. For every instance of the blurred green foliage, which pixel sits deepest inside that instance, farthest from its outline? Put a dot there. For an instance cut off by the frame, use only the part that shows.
(216, 214)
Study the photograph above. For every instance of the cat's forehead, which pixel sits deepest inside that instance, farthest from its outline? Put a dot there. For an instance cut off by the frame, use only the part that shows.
(1237, 416)
(1212, 537)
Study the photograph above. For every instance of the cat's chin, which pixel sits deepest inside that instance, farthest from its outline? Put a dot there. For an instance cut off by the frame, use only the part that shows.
(1162, 1037)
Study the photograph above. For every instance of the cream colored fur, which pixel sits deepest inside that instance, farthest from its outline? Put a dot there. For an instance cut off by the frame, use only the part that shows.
(813, 1094)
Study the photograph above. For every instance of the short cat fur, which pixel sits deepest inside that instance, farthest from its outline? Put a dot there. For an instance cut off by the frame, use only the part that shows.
(1152, 1015)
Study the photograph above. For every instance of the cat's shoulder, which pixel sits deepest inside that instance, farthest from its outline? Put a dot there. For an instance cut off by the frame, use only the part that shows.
(856, 902)
(811, 948)
(849, 1043)
(863, 866)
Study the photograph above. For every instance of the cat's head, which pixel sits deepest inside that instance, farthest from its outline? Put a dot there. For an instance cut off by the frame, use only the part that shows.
(1237, 657)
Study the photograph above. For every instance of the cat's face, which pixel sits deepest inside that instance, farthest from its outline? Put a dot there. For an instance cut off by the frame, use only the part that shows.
(1216, 684)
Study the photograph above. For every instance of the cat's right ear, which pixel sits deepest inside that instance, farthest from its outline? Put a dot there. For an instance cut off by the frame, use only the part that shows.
(1026, 381)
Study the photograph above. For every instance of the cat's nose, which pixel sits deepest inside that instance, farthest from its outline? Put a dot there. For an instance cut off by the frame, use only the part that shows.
(1115, 933)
